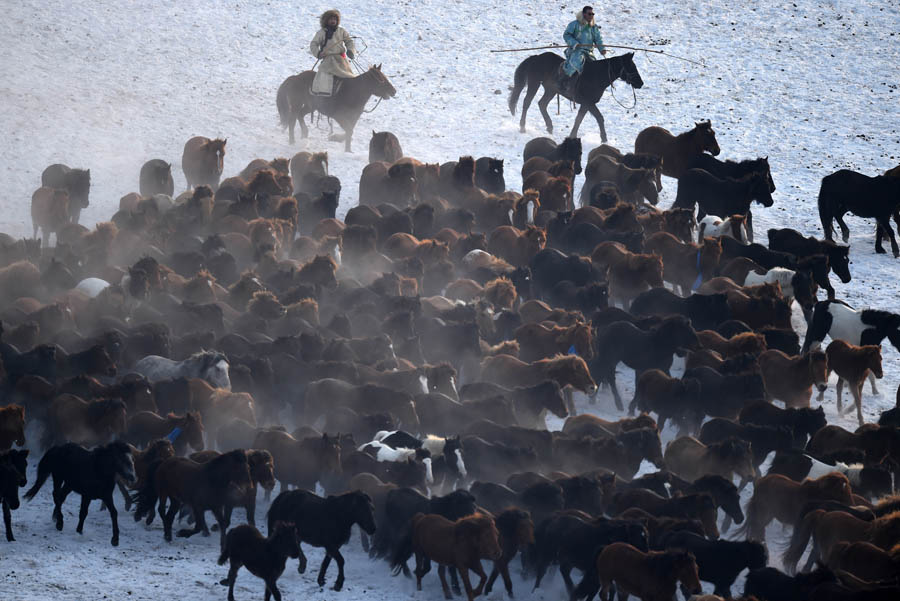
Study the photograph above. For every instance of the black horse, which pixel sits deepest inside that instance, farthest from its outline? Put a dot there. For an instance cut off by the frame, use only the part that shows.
(847, 191)
(13, 465)
(92, 474)
(719, 561)
(323, 523)
(542, 69)
(294, 100)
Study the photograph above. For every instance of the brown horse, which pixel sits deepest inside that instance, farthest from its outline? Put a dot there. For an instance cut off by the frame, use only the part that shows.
(633, 274)
(580, 426)
(49, 212)
(300, 462)
(534, 311)
(686, 265)
(156, 451)
(461, 544)
(538, 342)
(516, 533)
(852, 364)
(791, 379)
(516, 246)
(874, 441)
(629, 568)
(863, 560)
(691, 459)
(694, 506)
(201, 486)
(294, 100)
(778, 497)
(829, 528)
(564, 369)
(12, 426)
(84, 422)
(185, 429)
(203, 161)
(677, 152)
(745, 342)
(262, 473)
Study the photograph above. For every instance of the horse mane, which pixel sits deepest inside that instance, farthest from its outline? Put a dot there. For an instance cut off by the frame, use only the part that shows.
(730, 448)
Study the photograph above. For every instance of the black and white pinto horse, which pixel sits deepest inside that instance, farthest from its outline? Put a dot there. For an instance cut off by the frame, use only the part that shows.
(446, 452)
(542, 69)
(860, 327)
(207, 365)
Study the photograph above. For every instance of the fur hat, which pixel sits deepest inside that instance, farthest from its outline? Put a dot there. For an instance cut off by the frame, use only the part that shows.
(323, 20)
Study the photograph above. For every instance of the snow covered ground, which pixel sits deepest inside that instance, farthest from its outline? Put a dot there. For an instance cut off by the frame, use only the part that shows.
(812, 84)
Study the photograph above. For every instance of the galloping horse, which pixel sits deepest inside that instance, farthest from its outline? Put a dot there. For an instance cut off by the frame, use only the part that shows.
(541, 69)
(346, 105)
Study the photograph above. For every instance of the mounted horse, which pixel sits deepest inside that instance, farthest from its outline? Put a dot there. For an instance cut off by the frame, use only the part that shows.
(542, 69)
(345, 106)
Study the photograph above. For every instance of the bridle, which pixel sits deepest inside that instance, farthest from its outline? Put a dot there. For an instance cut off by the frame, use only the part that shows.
(612, 88)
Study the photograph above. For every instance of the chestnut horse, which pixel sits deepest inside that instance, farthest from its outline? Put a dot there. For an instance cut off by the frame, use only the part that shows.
(778, 497)
(203, 161)
(72, 419)
(791, 379)
(852, 364)
(829, 528)
(461, 544)
(677, 152)
(629, 568)
(564, 369)
(538, 342)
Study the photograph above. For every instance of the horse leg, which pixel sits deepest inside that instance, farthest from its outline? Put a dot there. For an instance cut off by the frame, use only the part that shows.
(845, 231)
(885, 222)
(232, 576)
(529, 96)
(879, 236)
(219, 514)
(542, 104)
(339, 560)
(199, 524)
(840, 393)
(611, 378)
(872, 382)
(599, 117)
(856, 390)
(423, 566)
(82, 513)
(482, 577)
(454, 581)
(442, 574)
(168, 519)
(59, 497)
(272, 587)
(582, 111)
(7, 522)
(565, 570)
(114, 517)
(304, 131)
(570, 400)
(363, 540)
(324, 568)
(125, 495)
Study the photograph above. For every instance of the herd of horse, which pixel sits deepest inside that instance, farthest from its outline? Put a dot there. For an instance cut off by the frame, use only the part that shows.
(193, 350)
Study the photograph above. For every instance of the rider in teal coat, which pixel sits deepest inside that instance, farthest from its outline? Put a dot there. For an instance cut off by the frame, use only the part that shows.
(581, 36)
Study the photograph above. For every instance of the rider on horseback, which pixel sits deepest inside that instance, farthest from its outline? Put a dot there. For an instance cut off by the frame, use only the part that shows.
(581, 36)
(333, 46)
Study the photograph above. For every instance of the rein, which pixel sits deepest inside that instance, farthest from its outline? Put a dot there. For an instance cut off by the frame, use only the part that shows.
(612, 88)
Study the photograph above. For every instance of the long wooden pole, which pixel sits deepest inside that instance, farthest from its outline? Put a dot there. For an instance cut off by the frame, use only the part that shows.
(559, 46)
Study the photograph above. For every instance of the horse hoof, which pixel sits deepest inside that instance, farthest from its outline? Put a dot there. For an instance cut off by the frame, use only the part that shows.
(168, 538)
(115, 541)
(224, 582)
(320, 582)
(10, 538)
(183, 533)
(879, 250)
(338, 586)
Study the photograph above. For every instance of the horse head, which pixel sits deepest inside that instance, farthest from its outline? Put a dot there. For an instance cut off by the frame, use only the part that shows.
(383, 87)
(629, 73)
(706, 138)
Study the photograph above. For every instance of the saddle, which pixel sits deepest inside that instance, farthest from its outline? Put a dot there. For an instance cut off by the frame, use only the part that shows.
(325, 85)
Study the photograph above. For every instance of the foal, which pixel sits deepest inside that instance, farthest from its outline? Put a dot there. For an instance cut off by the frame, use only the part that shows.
(852, 364)
(263, 557)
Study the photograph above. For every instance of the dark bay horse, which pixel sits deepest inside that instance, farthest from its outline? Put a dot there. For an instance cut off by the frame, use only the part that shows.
(295, 102)
(542, 69)
(847, 191)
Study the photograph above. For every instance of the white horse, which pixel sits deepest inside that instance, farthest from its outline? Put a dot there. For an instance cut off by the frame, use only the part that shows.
(207, 365)
(782, 275)
(716, 227)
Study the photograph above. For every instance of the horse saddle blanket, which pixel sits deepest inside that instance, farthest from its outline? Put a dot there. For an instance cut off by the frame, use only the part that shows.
(325, 84)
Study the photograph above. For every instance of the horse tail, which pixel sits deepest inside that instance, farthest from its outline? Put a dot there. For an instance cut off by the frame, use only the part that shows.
(799, 540)
(284, 106)
(403, 551)
(825, 215)
(45, 468)
(519, 81)
(146, 496)
(752, 517)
